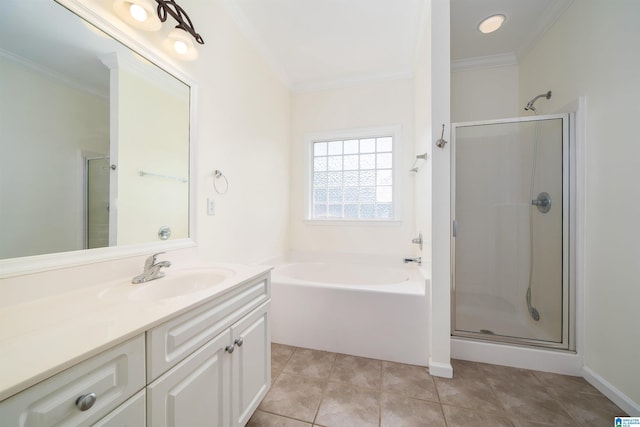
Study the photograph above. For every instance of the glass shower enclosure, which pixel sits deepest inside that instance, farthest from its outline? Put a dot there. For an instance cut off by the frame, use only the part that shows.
(511, 231)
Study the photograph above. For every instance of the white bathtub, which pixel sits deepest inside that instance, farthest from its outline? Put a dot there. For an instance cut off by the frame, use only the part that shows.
(366, 310)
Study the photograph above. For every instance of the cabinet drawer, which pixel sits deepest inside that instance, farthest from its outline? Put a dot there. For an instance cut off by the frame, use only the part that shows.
(114, 376)
(174, 340)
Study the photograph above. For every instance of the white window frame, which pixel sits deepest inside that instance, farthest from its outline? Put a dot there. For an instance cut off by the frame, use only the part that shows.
(357, 133)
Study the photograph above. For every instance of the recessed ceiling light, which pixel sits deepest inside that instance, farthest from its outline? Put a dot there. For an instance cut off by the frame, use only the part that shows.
(491, 24)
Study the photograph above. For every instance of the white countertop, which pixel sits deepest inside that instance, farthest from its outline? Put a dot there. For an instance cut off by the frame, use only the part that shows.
(44, 336)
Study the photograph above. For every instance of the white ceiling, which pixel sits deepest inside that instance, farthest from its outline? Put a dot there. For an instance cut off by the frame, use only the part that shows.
(312, 44)
(318, 44)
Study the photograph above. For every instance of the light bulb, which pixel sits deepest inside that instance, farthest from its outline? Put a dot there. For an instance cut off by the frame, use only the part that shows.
(137, 12)
(180, 47)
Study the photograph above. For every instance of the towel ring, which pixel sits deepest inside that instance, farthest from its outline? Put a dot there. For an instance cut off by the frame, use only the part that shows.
(219, 175)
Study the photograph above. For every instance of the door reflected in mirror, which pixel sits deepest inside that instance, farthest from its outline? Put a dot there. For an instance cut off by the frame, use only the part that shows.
(95, 139)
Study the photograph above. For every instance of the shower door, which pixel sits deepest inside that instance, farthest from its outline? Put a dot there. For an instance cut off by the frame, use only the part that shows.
(510, 181)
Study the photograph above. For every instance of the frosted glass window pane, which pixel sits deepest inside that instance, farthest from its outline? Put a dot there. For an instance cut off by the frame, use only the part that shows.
(384, 177)
(384, 211)
(384, 195)
(319, 148)
(320, 195)
(335, 211)
(384, 161)
(351, 179)
(367, 145)
(335, 147)
(335, 163)
(335, 179)
(350, 163)
(320, 164)
(367, 195)
(367, 211)
(351, 146)
(368, 178)
(384, 144)
(351, 194)
(319, 179)
(351, 211)
(334, 195)
(368, 161)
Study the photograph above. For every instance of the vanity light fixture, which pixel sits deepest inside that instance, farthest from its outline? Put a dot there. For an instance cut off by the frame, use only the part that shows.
(144, 15)
(491, 24)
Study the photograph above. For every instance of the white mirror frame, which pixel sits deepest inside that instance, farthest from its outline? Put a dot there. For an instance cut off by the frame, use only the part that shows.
(39, 263)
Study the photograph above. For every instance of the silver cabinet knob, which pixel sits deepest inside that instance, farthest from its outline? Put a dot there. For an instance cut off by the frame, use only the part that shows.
(238, 342)
(229, 349)
(86, 401)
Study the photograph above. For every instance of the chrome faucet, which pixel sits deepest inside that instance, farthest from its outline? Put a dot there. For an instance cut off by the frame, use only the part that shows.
(151, 269)
(417, 260)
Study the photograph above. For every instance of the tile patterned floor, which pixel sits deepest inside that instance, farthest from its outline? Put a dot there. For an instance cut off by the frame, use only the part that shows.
(317, 388)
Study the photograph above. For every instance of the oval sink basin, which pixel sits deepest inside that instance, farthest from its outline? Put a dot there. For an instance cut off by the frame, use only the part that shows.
(176, 283)
(180, 283)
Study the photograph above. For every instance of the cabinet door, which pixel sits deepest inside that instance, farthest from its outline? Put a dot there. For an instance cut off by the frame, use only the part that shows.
(193, 393)
(251, 364)
(131, 413)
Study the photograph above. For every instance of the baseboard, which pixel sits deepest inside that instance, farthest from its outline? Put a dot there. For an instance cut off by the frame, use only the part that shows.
(616, 396)
(444, 370)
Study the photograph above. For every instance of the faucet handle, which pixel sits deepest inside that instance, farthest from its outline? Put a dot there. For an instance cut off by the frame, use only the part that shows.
(152, 259)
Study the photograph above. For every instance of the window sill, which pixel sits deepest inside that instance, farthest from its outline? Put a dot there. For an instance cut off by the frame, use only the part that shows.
(354, 222)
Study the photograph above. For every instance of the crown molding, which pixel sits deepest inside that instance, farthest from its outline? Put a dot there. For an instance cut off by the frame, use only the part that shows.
(52, 74)
(480, 62)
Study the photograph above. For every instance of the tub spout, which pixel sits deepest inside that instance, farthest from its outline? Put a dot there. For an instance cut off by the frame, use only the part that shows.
(417, 260)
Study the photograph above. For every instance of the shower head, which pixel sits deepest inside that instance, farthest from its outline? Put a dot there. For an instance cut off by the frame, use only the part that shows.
(530, 106)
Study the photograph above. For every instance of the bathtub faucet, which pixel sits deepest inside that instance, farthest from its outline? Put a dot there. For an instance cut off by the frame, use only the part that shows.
(416, 260)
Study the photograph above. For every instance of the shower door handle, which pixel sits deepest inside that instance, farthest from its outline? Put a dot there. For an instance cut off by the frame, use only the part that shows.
(543, 202)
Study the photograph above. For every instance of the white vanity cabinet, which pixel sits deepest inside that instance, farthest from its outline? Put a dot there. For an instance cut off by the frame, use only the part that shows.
(218, 360)
(82, 394)
(208, 365)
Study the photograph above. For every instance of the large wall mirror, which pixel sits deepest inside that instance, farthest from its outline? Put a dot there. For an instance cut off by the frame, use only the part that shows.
(95, 141)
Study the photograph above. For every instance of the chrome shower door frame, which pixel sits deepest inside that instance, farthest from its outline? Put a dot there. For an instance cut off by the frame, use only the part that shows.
(568, 341)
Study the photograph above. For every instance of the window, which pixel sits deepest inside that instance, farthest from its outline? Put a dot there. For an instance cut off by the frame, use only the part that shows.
(352, 176)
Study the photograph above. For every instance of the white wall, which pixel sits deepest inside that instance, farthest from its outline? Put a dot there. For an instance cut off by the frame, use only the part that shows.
(44, 157)
(422, 132)
(243, 130)
(485, 93)
(438, 46)
(368, 105)
(592, 50)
